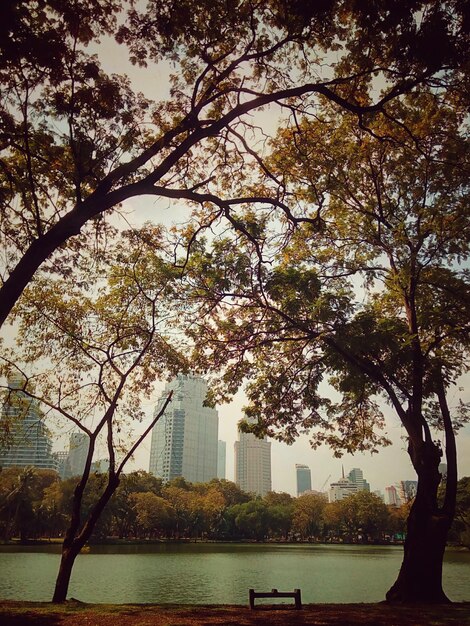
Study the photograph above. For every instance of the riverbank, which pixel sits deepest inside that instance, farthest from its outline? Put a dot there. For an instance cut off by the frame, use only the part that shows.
(74, 613)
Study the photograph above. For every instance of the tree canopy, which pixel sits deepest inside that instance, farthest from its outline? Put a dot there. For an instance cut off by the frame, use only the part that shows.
(367, 289)
(78, 141)
(363, 182)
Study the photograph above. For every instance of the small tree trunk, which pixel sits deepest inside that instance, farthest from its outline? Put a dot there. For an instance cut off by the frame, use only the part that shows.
(420, 577)
(65, 571)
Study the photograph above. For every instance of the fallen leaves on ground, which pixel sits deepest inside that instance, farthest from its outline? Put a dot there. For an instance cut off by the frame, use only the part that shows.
(74, 613)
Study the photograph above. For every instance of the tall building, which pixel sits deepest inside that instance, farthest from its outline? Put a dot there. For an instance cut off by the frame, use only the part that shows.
(184, 440)
(101, 466)
(392, 497)
(341, 489)
(407, 490)
(78, 450)
(253, 464)
(221, 458)
(304, 478)
(28, 441)
(63, 465)
(344, 487)
(356, 477)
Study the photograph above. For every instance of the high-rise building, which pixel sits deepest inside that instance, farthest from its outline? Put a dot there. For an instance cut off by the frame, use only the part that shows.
(407, 490)
(341, 489)
(101, 466)
(392, 497)
(356, 477)
(344, 487)
(63, 465)
(28, 442)
(184, 440)
(78, 451)
(221, 458)
(304, 478)
(253, 464)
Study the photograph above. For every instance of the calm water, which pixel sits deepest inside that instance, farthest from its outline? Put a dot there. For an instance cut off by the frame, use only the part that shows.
(217, 573)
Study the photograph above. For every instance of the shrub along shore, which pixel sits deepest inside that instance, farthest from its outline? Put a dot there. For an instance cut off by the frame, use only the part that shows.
(74, 613)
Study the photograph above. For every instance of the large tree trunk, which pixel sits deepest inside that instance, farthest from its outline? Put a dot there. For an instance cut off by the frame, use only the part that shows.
(420, 577)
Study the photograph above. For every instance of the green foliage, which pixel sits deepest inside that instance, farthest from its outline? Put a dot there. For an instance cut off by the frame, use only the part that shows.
(78, 141)
(308, 517)
(360, 517)
(35, 504)
(461, 529)
(368, 292)
(22, 492)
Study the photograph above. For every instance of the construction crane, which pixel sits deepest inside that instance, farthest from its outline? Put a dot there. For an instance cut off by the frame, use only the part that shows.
(323, 486)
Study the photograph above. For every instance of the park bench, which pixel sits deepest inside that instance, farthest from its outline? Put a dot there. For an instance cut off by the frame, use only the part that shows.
(274, 593)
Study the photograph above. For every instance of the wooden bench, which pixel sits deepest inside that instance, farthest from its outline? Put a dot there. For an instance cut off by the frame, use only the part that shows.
(274, 593)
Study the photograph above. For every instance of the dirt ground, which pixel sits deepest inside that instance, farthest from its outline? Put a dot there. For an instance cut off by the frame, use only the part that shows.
(79, 614)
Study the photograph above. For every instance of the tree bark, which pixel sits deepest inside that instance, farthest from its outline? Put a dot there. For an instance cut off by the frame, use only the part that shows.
(65, 571)
(420, 577)
(74, 540)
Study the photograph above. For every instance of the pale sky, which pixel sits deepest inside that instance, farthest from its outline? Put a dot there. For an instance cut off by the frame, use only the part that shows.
(389, 466)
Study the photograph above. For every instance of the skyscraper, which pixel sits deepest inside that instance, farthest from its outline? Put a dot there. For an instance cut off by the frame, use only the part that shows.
(63, 465)
(184, 440)
(304, 478)
(344, 487)
(28, 442)
(221, 458)
(356, 476)
(392, 497)
(78, 450)
(253, 464)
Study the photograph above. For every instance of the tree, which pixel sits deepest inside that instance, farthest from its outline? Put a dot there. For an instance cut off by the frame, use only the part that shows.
(78, 141)
(124, 513)
(461, 527)
(368, 292)
(308, 518)
(153, 513)
(362, 516)
(21, 492)
(99, 345)
(252, 519)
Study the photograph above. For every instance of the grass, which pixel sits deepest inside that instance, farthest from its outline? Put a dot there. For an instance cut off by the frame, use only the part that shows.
(74, 613)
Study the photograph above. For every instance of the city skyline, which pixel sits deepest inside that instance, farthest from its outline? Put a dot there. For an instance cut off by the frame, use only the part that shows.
(387, 468)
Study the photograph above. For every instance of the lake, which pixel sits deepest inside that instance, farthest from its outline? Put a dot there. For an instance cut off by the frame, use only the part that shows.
(220, 573)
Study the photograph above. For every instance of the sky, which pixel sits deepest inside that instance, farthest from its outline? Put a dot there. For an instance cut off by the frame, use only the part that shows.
(390, 465)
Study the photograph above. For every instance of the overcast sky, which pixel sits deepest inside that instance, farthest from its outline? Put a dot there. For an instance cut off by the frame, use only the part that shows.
(380, 470)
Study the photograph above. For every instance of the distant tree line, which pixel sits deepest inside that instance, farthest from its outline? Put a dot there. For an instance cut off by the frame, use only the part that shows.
(34, 504)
